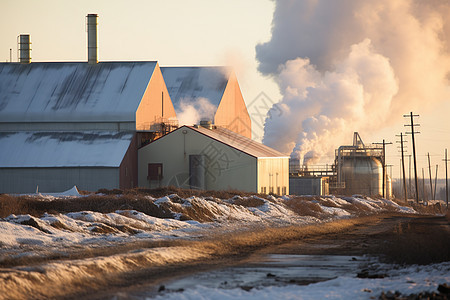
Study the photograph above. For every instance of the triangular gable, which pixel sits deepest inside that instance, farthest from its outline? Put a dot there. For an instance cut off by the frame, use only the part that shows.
(188, 84)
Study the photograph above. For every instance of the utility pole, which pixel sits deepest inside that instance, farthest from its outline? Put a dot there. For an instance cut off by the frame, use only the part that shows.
(383, 162)
(446, 178)
(423, 185)
(431, 180)
(403, 167)
(435, 182)
(414, 151)
(410, 185)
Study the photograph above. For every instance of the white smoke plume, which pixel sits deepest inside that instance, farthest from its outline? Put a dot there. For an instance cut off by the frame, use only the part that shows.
(192, 111)
(352, 65)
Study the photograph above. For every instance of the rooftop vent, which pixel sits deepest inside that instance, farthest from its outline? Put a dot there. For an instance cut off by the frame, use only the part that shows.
(206, 124)
(92, 38)
(23, 41)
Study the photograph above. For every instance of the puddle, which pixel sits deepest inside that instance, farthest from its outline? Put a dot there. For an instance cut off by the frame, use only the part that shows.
(272, 270)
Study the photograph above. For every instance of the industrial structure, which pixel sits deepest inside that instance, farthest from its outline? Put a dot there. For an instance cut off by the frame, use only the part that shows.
(357, 169)
(216, 85)
(213, 158)
(95, 124)
(77, 123)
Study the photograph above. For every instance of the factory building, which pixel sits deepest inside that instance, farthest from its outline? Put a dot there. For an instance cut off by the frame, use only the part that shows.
(77, 123)
(218, 87)
(97, 124)
(212, 158)
(66, 124)
(357, 169)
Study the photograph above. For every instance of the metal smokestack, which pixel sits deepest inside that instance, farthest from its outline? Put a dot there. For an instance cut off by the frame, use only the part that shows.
(24, 48)
(92, 38)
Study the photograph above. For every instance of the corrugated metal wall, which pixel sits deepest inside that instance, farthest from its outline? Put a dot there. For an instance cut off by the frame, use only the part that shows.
(25, 180)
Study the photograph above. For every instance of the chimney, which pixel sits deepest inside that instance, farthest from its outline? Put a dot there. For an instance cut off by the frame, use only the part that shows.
(24, 48)
(92, 38)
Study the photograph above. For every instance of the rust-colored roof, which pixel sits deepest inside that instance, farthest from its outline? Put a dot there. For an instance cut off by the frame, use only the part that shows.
(238, 141)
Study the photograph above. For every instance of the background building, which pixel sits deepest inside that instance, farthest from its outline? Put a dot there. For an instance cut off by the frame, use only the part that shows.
(213, 158)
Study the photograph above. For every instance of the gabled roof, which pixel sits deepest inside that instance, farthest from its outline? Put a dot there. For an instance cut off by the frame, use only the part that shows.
(72, 91)
(63, 149)
(237, 141)
(190, 83)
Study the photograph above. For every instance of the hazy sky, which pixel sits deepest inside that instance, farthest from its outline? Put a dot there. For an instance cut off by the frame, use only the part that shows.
(192, 32)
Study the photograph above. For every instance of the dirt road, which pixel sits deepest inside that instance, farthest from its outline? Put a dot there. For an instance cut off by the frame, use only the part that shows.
(394, 237)
(410, 239)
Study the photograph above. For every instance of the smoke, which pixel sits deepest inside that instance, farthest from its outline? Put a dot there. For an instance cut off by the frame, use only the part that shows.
(352, 65)
(192, 111)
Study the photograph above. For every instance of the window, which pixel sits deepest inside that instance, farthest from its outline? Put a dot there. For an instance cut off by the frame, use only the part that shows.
(278, 191)
(284, 190)
(155, 171)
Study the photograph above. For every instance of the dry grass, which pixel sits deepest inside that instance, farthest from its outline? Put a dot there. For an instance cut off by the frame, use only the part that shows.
(418, 243)
(304, 206)
(183, 193)
(247, 202)
(97, 203)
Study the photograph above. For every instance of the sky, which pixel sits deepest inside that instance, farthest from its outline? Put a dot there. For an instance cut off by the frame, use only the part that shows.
(303, 48)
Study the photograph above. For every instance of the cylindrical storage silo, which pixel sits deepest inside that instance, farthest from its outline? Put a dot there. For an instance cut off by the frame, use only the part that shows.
(388, 187)
(197, 171)
(362, 175)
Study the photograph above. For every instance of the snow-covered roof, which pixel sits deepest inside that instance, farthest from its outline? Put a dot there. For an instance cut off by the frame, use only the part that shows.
(239, 142)
(72, 91)
(63, 149)
(191, 83)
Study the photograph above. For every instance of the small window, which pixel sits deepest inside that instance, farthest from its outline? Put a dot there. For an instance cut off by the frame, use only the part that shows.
(278, 191)
(284, 190)
(271, 190)
(155, 171)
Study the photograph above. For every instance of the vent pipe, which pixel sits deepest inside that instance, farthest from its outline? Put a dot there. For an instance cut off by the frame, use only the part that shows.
(24, 48)
(92, 38)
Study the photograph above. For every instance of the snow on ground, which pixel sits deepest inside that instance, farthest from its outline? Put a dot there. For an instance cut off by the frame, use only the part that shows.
(193, 217)
(410, 280)
(87, 227)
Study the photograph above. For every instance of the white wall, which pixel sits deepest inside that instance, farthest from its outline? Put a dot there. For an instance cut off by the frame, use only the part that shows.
(226, 167)
(273, 175)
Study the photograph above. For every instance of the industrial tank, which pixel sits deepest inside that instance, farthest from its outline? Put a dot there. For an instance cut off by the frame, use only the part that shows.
(362, 175)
